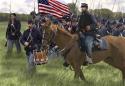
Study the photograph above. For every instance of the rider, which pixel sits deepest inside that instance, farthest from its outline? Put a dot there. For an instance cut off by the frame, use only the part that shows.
(87, 29)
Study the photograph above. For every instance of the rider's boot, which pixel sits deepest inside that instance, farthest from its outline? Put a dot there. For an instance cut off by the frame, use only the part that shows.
(89, 59)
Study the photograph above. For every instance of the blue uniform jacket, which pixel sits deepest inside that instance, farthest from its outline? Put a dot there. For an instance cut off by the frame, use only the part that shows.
(34, 38)
(15, 28)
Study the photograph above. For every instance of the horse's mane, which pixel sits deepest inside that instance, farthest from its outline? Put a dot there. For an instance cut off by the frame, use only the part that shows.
(62, 30)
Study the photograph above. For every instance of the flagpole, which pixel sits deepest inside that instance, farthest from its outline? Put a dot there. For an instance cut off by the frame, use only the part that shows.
(34, 5)
(93, 6)
(10, 7)
(113, 5)
(76, 7)
(122, 12)
(38, 5)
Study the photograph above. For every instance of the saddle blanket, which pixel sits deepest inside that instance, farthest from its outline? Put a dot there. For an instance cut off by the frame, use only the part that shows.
(101, 43)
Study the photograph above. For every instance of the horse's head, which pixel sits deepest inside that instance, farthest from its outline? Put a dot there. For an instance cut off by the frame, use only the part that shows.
(44, 28)
(59, 35)
(50, 29)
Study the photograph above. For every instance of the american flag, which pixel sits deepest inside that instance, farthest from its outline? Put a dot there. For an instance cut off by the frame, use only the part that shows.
(53, 7)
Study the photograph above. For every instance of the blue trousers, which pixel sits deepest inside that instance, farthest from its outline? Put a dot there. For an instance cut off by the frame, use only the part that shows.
(30, 61)
(10, 44)
(89, 44)
(82, 41)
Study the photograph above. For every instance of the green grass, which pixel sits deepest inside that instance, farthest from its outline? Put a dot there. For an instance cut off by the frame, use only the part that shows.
(13, 71)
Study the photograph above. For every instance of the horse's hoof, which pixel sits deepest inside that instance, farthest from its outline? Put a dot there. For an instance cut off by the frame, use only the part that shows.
(65, 64)
(85, 63)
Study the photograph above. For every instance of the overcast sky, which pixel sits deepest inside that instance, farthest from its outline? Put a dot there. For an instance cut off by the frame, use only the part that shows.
(26, 6)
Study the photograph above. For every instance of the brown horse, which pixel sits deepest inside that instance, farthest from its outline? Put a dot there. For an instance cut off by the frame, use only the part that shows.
(114, 55)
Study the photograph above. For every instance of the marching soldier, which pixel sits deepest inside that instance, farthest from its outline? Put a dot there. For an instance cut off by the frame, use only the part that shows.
(118, 30)
(74, 24)
(31, 39)
(102, 29)
(13, 33)
(33, 18)
(123, 33)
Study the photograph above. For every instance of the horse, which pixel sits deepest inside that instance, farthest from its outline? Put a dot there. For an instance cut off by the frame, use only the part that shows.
(114, 55)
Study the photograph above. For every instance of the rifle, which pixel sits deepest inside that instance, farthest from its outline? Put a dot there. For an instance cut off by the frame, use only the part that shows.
(6, 36)
(13, 30)
(29, 40)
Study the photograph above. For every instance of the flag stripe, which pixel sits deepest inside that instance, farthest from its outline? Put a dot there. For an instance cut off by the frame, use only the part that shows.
(61, 4)
(53, 7)
(43, 5)
(49, 9)
(41, 11)
(56, 6)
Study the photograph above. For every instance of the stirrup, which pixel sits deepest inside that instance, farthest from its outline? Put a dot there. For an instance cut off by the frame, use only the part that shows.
(88, 59)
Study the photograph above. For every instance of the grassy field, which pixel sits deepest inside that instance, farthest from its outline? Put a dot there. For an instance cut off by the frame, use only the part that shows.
(13, 71)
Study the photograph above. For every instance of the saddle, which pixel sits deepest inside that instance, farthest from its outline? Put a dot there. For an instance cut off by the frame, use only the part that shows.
(100, 44)
(40, 57)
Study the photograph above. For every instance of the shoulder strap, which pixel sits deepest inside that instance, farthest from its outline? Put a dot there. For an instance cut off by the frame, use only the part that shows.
(12, 25)
(29, 35)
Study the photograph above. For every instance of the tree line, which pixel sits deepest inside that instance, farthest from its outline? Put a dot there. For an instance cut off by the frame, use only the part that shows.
(104, 12)
(6, 16)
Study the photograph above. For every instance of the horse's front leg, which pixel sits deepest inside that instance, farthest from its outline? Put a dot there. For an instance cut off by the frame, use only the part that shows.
(81, 75)
(78, 73)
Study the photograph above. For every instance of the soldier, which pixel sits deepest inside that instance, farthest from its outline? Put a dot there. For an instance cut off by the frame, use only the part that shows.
(102, 29)
(67, 26)
(120, 30)
(43, 32)
(74, 24)
(114, 27)
(42, 25)
(63, 22)
(87, 28)
(36, 19)
(33, 16)
(13, 33)
(123, 32)
(31, 39)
